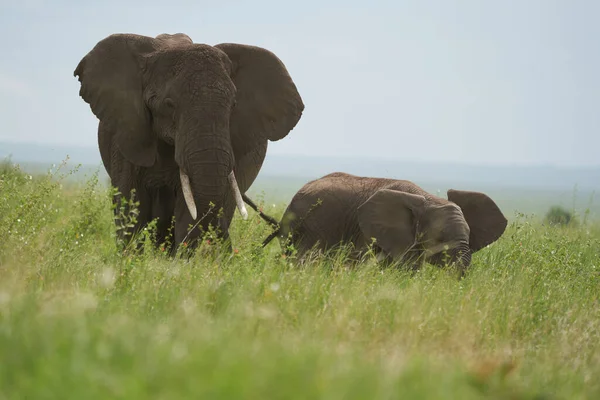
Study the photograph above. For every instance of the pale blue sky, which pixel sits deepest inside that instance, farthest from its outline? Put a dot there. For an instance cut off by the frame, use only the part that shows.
(502, 82)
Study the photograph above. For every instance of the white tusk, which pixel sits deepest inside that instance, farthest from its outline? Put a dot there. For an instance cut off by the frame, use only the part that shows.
(187, 194)
(237, 195)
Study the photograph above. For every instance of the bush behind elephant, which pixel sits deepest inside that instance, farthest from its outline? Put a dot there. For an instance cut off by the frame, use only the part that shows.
(407, 223)
(185, 125)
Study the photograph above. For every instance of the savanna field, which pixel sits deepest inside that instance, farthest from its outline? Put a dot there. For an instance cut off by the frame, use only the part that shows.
(81, 320)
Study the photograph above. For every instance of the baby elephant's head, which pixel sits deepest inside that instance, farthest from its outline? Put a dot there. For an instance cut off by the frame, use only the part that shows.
(406, 226)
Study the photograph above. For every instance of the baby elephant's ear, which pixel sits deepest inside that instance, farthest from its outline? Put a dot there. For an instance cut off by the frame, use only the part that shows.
(391, 216)
(485, 219)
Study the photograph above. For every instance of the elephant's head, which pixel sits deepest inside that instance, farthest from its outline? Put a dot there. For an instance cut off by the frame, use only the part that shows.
(194, 97)
(406, 225)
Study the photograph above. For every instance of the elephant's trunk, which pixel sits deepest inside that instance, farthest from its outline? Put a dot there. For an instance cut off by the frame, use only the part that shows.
(206, 172)
(462, 255)
(459, 253)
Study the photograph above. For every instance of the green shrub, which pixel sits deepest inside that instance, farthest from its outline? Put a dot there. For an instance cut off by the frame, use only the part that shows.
(557, 215)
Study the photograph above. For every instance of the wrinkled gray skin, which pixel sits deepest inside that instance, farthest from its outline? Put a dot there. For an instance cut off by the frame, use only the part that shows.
(407, 223)
(166, 105)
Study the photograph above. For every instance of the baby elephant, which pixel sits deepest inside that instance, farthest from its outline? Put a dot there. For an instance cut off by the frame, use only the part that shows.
(407, 223)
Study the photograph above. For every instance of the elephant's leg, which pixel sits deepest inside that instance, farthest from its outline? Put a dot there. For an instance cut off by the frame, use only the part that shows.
(122, 211)
(123, 177)
(163, 209)
(120, 208)
(130, 218)
(113, 163)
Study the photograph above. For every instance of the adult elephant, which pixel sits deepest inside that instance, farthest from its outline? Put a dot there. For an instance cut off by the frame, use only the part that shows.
(407, 223)
(185, 125)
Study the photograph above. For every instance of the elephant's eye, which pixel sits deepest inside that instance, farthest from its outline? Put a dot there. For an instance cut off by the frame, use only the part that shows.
(169, 104)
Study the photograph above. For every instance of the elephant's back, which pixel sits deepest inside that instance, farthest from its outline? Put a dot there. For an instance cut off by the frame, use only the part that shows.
(364, 186)
(351, 190)
(336, 190)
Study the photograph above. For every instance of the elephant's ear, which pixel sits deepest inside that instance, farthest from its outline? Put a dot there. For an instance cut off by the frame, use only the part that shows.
(268, 103)
(111, 83)
(391, 217)
(485, 219)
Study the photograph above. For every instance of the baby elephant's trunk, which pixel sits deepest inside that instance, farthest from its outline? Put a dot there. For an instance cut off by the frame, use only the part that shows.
(462, 257)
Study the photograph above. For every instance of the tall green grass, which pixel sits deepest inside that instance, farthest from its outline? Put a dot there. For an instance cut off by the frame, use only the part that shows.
(79, 319)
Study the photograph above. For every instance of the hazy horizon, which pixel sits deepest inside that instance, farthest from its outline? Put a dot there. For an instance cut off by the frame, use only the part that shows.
(313, 166)
(516, 190)
(507, 83)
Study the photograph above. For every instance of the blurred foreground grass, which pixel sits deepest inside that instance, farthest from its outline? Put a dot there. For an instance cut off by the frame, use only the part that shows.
(80, 320)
